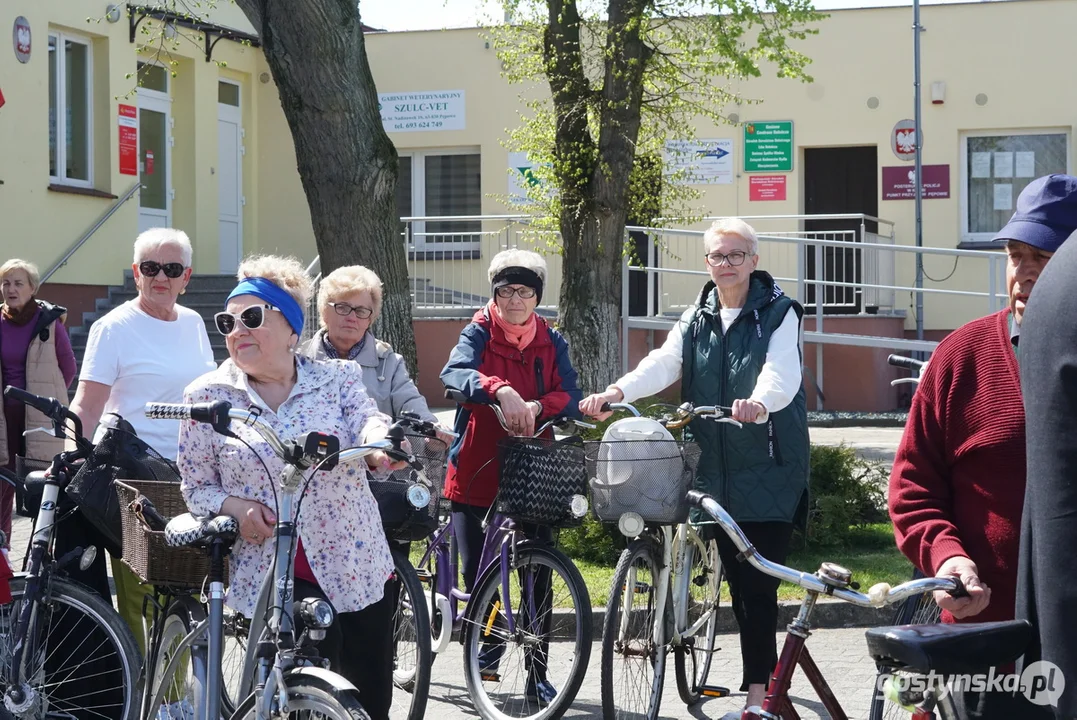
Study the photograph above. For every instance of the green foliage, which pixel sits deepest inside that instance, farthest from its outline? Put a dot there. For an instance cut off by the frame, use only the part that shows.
(846, 496)
(593, 542)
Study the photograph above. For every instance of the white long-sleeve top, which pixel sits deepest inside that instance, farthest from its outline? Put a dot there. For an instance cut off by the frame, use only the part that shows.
(778, 382)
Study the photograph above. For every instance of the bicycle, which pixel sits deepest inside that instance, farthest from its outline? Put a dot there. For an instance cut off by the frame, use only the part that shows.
(282, 675)
(916, 610)
(926, 653)
(513, 613)
(55, 627)
(639, 477)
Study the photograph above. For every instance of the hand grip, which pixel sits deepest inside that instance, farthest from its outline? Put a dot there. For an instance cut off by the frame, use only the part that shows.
(904, 362)
(455, 395)
(214, 413)
(168, 411)
(46, 406)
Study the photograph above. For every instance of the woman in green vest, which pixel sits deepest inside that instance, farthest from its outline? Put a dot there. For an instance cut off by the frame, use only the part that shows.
(739, 346)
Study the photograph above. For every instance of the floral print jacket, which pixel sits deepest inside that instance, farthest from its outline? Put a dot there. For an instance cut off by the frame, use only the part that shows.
(338, 522)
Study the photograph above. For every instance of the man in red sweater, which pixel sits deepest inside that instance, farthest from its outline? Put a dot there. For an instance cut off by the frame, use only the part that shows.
(958, 483)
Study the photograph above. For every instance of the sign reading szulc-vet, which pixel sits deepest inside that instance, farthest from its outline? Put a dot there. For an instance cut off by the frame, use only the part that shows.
(420, 111)
(768, 146)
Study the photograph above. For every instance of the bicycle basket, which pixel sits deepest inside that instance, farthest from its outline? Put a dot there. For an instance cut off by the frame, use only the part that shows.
(28, 499)
(638, 467)
(538, 479)
(145, 551)
(402, 521)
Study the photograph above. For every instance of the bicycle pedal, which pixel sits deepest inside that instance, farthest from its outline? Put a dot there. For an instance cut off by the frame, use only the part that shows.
(641, 588)
(489, 677)
(425, 576)
(713, 691)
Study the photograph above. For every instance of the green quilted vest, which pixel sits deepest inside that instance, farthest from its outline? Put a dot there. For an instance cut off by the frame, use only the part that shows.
(759, 472)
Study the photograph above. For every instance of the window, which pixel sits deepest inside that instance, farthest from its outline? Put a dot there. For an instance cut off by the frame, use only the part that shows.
(996, 167)
(442, 183)
(70, 111)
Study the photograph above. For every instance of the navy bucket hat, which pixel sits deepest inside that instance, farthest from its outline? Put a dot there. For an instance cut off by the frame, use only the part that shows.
(1046, 213)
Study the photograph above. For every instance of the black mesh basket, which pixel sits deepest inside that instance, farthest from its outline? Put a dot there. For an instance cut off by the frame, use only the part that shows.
(401, 521)
(539, 477)
(648, 477)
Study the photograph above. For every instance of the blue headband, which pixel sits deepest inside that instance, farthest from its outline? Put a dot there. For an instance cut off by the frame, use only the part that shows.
(269, 291)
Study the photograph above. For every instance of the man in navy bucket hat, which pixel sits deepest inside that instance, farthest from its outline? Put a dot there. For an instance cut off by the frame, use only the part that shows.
(958, 483)
(1047, 587)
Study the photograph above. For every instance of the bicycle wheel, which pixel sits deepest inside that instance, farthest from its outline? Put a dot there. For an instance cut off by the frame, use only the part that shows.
(314, 694)
(916, 610)
(236, 630)
(412, 655)
(179, 670)
(634, 636)
(692, 658)
(535, 671)
(80, 658)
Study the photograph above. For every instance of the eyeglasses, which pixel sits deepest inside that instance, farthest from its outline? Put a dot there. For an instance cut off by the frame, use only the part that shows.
(252, 317)
(505, 292)
(149, 269)
(361, 311)
(734, 258)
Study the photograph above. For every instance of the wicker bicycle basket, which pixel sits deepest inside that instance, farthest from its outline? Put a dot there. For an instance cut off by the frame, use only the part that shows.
(648, 477)
(538, 479)
(146, 552)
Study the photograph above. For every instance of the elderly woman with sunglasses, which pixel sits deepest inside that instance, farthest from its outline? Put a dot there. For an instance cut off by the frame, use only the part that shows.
(349, 301)
(739, 345)
(342, 553)
(145, 350)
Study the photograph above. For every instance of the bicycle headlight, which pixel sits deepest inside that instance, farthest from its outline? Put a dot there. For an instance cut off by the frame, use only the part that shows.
(630, 524)
(578, 506)
(418, 496)
(316, 613)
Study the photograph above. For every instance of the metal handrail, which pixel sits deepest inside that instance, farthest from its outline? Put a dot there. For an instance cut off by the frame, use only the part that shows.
(89, 233)
(834, 216)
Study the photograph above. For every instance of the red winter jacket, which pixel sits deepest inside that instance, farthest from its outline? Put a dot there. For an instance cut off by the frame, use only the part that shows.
(481, 363)
(958, 483)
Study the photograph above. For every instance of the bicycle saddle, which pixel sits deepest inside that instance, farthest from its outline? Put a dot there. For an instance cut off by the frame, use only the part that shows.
(186, 530)
(949, 649)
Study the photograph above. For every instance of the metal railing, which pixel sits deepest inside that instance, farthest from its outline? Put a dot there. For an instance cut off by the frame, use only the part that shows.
(89, 233)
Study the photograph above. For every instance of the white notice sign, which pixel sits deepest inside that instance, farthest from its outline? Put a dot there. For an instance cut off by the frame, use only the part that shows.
(705, 162)
(1003, 196)
(419, 111)
(1025, 164)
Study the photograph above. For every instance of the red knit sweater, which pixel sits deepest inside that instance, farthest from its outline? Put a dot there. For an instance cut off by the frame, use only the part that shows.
(958, 483)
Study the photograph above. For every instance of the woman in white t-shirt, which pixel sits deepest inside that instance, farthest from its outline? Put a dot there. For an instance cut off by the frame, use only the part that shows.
(146, 350)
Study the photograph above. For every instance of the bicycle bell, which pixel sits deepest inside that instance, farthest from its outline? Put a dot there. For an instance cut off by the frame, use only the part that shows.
(834, 575)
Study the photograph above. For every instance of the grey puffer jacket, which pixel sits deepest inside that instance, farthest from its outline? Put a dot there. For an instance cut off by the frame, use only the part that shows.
(384, 374)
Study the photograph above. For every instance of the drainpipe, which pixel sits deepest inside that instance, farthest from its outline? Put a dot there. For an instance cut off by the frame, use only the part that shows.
(917, 29)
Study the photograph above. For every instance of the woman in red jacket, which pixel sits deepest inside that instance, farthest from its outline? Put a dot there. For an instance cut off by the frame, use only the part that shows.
(511, 356)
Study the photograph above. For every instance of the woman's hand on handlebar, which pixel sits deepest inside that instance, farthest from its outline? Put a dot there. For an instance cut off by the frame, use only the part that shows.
(592, 405)
(256, 521)
(519, 415)
(978, 597)
(748, 411)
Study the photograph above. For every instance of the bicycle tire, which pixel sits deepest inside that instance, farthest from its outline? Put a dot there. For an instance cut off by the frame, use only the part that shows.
(94, 624)
(182, 616)
(688, 656)
(411, 624)
(915, 610)
(642, 555)
(531, 562)
(310, 691)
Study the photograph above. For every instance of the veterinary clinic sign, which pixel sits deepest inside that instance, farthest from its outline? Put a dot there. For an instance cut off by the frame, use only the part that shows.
(419, 111)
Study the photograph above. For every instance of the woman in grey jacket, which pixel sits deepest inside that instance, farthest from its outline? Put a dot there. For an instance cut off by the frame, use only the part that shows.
(349, 301)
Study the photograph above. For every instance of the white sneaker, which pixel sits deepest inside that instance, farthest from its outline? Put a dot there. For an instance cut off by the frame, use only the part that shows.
(179, 710)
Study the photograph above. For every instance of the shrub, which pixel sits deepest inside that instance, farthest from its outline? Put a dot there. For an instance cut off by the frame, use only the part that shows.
(846, 494)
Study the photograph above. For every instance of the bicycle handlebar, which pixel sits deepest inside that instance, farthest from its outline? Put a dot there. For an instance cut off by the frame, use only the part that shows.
(557, 421)
(905, 362)
(219, 413)
(686, 412)
(878, 595)
(51, 408)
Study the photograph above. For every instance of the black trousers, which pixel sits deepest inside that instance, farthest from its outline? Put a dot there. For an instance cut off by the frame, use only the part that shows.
(755, 596)
(359, 646)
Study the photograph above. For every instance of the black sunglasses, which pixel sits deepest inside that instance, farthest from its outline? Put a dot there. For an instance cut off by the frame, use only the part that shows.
(252, 317)
(149, 269)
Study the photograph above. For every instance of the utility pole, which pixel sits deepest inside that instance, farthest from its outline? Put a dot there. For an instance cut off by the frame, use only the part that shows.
(916, 30)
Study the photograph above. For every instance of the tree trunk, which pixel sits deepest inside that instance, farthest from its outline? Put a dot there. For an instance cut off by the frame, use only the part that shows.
(347, 164)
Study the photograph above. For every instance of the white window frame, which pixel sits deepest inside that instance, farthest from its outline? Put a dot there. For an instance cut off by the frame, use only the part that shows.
(60, 101)
(986, 238)
(416, 239)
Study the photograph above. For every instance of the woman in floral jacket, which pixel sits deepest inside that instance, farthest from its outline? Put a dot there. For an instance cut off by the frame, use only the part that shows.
(342, 555)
